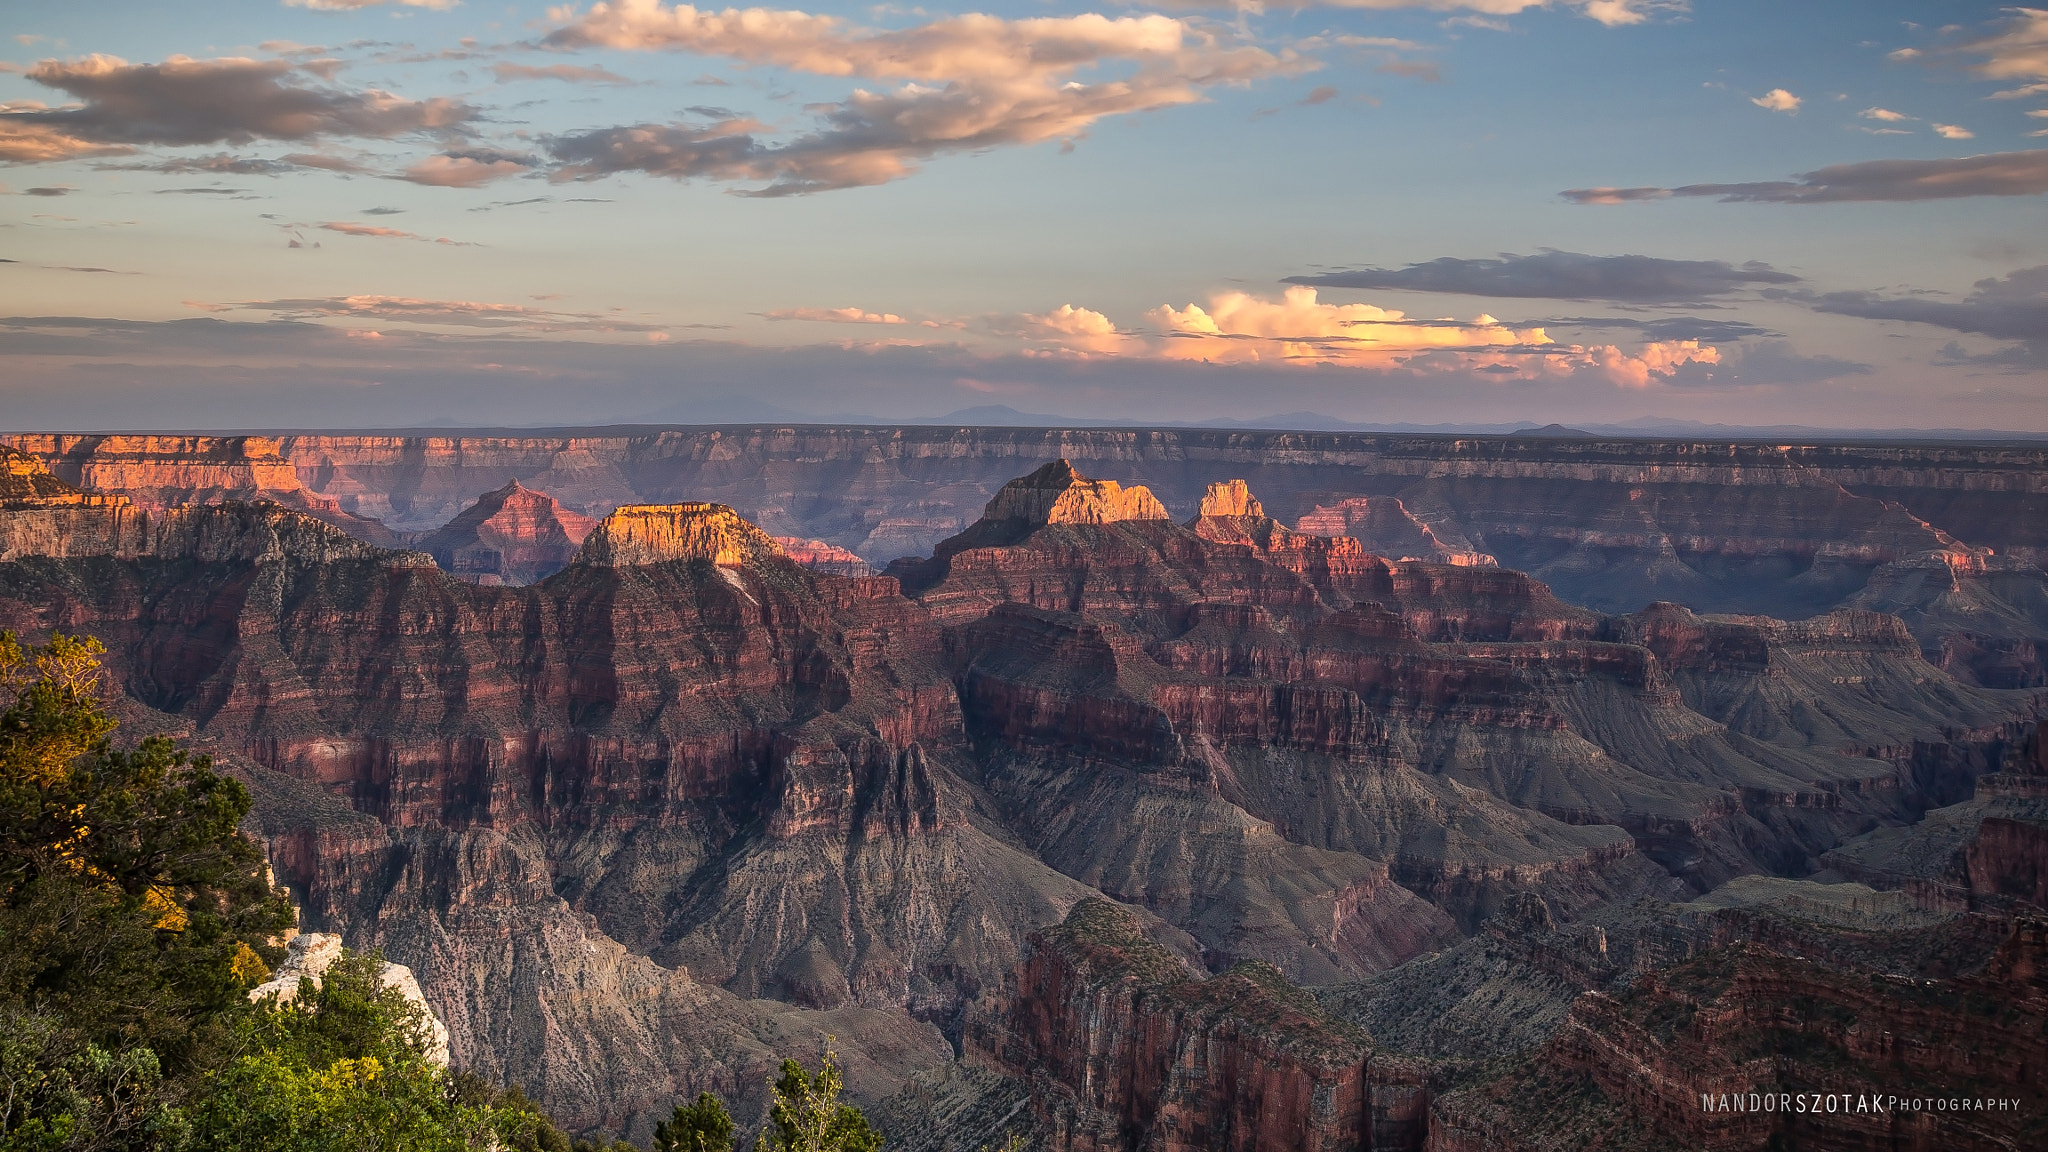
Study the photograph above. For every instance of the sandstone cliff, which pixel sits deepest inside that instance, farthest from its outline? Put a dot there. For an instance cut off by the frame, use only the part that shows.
(636, 534)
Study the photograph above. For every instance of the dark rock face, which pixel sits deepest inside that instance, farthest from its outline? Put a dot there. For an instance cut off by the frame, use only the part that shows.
(687, 804)
(1661, 1065)
(1127, 1049)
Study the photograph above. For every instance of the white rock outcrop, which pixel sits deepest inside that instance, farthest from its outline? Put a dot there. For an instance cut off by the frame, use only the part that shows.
(310, 954)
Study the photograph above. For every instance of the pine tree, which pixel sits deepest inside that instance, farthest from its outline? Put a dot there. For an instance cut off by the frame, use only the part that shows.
(701, 1127)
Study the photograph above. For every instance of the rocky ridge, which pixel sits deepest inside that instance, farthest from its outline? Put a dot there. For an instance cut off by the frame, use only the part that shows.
(512, 535)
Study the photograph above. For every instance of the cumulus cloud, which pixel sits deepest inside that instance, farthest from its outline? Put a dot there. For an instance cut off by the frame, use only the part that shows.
(835, 316)
(962, 84)
(1953, 132)
(467, 168)
(348, 228)
(506, 73)
(1777, 100)
(1238, 328)
(1992, 174)
(1555, 275)
(1885, 114)
(1078, 331)
(183, 101)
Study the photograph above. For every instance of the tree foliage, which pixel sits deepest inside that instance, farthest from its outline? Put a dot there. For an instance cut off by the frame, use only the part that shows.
(805, 1114)
(134, 920)
(701, 1127)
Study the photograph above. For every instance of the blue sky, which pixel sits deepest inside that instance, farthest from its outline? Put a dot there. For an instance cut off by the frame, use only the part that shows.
(341, 213)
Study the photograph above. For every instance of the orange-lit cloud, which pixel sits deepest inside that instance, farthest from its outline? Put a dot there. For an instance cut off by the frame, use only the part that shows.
(1238, 327)
(1656, 361)
(967, 83)
(466, 169)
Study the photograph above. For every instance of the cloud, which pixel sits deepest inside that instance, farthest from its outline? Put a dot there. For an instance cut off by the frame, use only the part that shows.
(221, 164)
(467, 169)
(353, 5)
(1667, 327)
(2018, 50)
(1071, 330)
(1237, 326)
(569, 73)
(835, 316)
(1298, 329)
(965, 84)
(1614, 195)
(183, 101)
(1992, 174)
(1613, 13)
(1778, 100)
(414, 310)
(1884, 114)
(1321, 94)
(1953, 132)
(348, 228)
(2012, 308)
(50, 190)
(1554, 275)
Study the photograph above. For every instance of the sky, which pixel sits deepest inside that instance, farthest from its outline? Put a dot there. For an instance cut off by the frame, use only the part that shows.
(396, 213)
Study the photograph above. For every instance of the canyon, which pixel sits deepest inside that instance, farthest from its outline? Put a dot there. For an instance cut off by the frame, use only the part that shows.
(1121, 789)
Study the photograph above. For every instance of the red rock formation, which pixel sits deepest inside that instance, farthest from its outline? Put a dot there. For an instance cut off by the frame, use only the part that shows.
(1056, 494)
(1125, 1049)
(822, 557)
(513, 535)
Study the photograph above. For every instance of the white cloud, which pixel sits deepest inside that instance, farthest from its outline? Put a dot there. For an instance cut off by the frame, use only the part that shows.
(1884, 114)
(1777, 100)
(1953, 132)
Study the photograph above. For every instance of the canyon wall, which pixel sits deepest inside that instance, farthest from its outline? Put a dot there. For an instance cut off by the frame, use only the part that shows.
(1084, 792)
